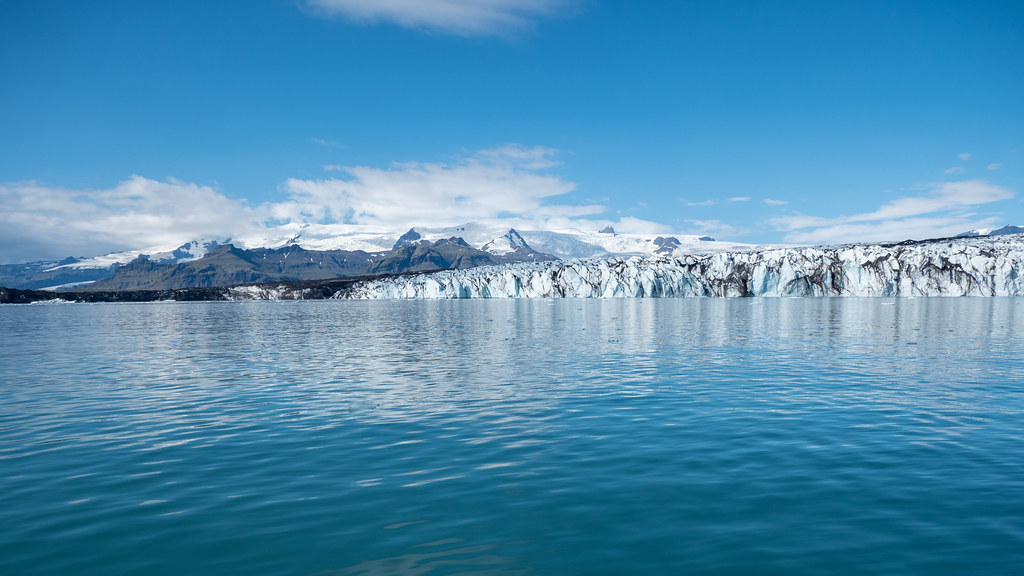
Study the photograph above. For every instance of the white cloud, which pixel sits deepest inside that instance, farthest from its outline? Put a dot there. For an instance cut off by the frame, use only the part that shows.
(702, 203)
(325, 143)
(461, 17)
(507, 182)
(624, 225)
(739, 199)
(891, 230)
(508, 186)
(41, 222)
(965, 156)
(955, 170)
(772, 202)
(715, 228)
(994, 166)
(943, 197)
(941, 212)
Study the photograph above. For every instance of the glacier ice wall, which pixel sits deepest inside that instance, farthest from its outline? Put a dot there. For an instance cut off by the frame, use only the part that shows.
(959, 267)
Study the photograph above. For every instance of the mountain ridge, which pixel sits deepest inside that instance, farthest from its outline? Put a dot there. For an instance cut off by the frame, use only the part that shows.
(326, 258)
(976, 266)
(226, 264)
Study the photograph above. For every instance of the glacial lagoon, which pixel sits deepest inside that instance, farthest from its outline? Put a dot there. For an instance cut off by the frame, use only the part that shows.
(687, 436)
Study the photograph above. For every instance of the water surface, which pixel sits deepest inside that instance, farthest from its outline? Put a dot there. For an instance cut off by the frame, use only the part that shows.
(795, 436)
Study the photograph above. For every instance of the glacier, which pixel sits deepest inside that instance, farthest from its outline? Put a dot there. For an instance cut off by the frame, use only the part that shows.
(984, 266)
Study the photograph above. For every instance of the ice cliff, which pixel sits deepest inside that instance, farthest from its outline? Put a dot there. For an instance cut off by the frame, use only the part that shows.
(952, 267)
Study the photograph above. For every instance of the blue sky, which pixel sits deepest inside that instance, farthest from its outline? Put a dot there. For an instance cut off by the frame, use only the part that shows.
(125, 124)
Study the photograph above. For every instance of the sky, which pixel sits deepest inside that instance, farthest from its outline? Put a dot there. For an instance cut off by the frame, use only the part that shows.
(127, 124)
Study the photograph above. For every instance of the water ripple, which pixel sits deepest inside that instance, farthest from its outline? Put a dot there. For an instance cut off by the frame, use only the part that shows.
(545, 437)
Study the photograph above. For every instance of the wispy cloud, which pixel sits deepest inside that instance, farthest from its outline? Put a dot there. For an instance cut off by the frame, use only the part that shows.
(325, 143)
(460, 17)
(943, 197)
(739, 199)
(955, 170)
(702, 203)
(892, 230)
(772, 202)
(965, 156)
(942, 211)
(994, 166)
(715, 228)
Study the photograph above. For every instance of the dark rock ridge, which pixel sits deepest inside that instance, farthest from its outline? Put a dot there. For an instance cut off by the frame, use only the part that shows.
(227, 265)
(15, 296)
(301, 290)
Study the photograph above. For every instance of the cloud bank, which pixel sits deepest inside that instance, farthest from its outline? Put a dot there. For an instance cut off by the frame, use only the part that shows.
(944, 210)
(46, 222)
(460, 17)
(508, 182)
(511, 186)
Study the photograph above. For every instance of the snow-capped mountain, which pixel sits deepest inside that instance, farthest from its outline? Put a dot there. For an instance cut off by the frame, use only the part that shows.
(563, 244)
(80, 272)
(992, 232)
(497, 239)
(512, 247)
(193, 250)
(421, 248)
(506, 244)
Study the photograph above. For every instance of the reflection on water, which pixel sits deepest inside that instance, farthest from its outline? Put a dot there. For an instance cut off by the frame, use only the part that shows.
(537, 437)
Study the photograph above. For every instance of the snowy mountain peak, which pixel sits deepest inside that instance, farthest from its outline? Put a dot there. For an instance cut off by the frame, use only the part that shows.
(510, 242)
(407, 239)
(990, 232)
(515, 239)
(162, 254)
(191, 250)
(452, 241)
(1007, 230)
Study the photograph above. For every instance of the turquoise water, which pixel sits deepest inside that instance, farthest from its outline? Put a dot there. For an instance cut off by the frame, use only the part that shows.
(800, 436)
